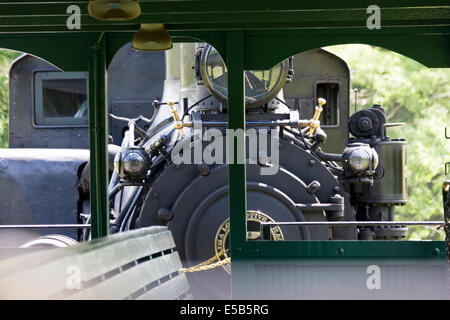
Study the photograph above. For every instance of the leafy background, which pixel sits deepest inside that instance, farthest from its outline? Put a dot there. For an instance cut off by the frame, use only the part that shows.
(410, 93)
(6, 58)
(416, 95)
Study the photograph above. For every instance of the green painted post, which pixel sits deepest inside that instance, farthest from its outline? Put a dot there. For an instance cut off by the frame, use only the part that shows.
(236, 169)
(98, 135)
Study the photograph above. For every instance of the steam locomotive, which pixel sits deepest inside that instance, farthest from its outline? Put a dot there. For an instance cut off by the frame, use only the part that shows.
(307, 158)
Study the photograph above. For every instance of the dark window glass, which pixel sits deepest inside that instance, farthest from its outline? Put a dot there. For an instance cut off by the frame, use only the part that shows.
(61, 99)
(330, 92)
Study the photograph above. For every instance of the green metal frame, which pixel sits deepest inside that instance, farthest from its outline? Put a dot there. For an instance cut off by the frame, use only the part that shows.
(346, 249)
(98, 138)
(251, 34)
(236, 121)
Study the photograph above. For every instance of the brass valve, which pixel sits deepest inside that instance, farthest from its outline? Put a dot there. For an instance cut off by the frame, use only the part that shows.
(315, 123)
(178, 124)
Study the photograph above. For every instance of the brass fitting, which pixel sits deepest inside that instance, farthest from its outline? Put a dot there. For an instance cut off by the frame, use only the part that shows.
(177, 123)
(314, 122)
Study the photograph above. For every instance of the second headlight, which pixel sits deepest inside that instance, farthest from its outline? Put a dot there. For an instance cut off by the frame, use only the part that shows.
(360, 158)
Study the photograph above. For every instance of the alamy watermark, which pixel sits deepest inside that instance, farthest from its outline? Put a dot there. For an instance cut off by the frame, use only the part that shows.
(208, 148)
(73, 281)
(73, 22)
(374, 20)
(374, 280)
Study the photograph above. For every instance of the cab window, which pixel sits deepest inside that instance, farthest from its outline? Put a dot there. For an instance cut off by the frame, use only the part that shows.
(329, 90)
(61, 99)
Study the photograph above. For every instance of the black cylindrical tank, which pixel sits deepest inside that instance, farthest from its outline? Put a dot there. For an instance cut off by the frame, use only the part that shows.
(389, 186)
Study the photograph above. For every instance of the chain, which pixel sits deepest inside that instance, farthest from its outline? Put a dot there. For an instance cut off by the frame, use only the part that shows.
(208, 264)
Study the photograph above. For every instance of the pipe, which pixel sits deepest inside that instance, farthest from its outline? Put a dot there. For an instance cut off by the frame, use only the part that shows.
(131, 208)
(116, 225)
(328, 156)
(85, 177)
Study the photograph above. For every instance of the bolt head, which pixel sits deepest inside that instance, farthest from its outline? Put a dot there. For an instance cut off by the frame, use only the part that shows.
(312, 163)
(365, 124)
(165, 214)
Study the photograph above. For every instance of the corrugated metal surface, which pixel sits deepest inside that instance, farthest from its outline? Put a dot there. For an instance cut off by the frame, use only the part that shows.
(398, 279)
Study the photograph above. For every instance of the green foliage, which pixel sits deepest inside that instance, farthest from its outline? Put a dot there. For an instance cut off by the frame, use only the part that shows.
(419, 96)
(6, 58)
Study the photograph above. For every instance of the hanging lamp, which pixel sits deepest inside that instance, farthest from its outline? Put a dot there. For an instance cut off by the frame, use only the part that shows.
(114, 9)
(152, 37)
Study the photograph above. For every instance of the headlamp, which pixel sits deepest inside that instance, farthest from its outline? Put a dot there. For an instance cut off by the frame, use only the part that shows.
(132, 163)
(360, 158)
(260, 85)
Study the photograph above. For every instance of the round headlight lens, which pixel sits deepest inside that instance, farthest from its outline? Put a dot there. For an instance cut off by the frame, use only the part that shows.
(133, 163)
(260, 86)
(359, 159)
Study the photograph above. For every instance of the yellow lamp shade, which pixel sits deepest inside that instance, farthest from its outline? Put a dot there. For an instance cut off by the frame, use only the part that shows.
(114, 9)
(152, 37)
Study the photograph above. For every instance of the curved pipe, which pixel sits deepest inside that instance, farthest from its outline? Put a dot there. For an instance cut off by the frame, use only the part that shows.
(328, 156)
(131, 208)
(85, 178)
(319, 153)
(128, 207)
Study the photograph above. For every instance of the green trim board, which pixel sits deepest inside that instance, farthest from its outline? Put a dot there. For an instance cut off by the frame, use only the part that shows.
(68, 51)
(432, 50)
(210, 20)
(199, 6)
(38, 16)
(346, 249)
(416, 28)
